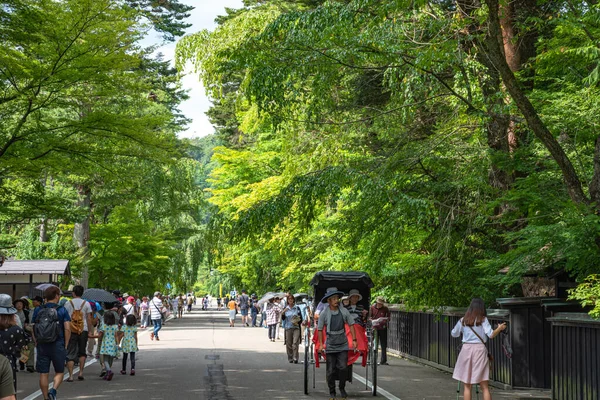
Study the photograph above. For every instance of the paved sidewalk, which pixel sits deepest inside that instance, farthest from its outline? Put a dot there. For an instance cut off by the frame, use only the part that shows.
(201, 357)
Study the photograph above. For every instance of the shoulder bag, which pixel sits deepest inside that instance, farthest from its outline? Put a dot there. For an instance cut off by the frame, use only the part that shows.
(490, 356)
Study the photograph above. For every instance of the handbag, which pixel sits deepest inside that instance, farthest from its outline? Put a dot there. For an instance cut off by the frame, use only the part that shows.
(162, 313)
(490, 356)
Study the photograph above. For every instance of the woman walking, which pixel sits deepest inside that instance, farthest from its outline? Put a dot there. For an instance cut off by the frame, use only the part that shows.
(129, 344)
(12, 336)
(473, 365)
(273, 312)
(144, 313)
(292, 319)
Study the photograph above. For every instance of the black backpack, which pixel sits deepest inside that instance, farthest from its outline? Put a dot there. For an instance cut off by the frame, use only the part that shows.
(47, 325)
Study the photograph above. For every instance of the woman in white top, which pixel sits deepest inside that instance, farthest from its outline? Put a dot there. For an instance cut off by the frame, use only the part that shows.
(472, 365)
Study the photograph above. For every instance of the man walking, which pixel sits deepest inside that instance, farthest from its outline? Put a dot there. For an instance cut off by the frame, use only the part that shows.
(253, 309)
(244, 304)
(156, 306)
(180, 305)
(80, 313)
(334, 319)
(379, 310)
(51, 330)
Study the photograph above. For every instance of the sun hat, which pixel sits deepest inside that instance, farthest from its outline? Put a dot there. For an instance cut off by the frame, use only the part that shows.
(125, 295)
(345, 298)
(6, 305)
(157, 293)
(130, 299)
(380, 300)
(332, 291)
(355, 292)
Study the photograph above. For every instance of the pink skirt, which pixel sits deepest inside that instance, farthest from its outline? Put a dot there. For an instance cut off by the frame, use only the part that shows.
(472, 365)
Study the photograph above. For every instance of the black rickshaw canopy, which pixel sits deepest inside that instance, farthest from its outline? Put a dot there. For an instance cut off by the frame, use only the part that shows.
(343, 281)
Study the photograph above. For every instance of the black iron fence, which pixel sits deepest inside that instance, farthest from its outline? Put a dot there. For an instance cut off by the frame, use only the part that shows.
(575, 357)
(425, 336)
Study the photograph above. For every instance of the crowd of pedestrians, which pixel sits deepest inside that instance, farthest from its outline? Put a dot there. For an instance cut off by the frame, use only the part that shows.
(58, 332)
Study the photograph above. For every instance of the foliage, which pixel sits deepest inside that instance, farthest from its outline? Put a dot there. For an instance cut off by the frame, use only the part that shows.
(368, 135)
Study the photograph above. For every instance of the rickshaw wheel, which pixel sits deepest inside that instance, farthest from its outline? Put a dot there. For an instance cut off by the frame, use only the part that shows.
(375, 346)
(307, 350)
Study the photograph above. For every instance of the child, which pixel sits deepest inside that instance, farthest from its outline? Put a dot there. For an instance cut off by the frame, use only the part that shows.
(108, 351)
(129, 344)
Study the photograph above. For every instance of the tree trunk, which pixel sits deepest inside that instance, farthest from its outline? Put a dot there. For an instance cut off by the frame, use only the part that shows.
(81, 231)
(495, 52)
(44, 230)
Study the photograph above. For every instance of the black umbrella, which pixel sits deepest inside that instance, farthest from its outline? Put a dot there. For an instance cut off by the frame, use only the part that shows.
(99, 295)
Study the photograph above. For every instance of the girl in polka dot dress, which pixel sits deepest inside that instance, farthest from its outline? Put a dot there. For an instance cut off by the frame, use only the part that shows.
(108, 351)
(129, 344)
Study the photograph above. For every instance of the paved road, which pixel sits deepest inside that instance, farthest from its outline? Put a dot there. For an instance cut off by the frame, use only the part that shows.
(201, 357)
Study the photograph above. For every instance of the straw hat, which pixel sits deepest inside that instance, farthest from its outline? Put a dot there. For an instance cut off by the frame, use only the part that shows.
(380, 300)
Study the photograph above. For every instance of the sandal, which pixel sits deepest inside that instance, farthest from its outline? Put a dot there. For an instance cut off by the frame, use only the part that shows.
(70, 379)
(80, 378)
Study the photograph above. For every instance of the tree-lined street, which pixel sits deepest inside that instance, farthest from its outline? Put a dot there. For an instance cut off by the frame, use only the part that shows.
(200, 357)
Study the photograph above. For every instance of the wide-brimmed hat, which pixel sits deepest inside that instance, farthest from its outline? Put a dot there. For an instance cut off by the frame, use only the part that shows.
(6, 305)
(332, 291)
(355, 292)
(157, 293)
(380, 300)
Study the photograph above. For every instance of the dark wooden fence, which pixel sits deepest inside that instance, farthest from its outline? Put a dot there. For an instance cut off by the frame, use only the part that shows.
(575, 357)
(551, 349)
(425, 336)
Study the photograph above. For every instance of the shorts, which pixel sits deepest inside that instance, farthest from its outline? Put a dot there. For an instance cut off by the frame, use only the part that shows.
(244, 312)
(54, 353)
(77, 346)
(7, 387)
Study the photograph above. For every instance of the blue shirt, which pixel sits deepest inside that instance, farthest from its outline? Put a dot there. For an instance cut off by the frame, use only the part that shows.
(63, 316)
(289, 313)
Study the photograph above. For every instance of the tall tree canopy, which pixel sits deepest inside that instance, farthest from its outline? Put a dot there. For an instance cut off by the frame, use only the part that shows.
(430, 143)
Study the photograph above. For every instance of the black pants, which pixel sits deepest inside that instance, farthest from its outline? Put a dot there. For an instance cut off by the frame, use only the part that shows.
(337, 363)
(382, 336)
(125, 360)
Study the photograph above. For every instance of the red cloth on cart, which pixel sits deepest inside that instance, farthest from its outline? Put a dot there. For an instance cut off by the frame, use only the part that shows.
(361, 342)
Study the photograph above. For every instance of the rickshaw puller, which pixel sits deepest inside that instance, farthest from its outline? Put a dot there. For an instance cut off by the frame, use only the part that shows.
(334, 317)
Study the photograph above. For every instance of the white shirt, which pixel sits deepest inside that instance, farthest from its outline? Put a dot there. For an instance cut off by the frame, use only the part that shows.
(155, 305)
(86, 310)
(484, 331)
(130, 308)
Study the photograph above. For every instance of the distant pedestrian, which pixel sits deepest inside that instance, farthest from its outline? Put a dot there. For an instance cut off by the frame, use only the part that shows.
(190, 303)
(273, 314)
(80, 313)
(472, 365)
(52, 329)
(129, 343)
(128, 309)
(108, 351)
(156, 315)
(219, 304)
(180, 305)
(24, 315)
(144, 313)
(244, 303)
(292, 320)
(232, 306)
(379, 310)
(253, 309)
